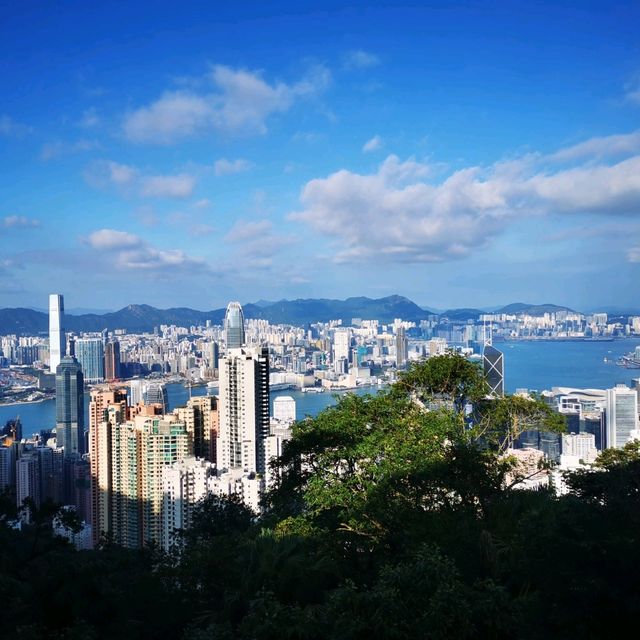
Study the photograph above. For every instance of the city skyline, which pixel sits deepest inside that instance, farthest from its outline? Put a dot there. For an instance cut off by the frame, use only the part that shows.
(174, 159)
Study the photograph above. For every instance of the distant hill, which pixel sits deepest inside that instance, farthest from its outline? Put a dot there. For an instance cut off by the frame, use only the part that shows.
(532, 309)
(142, 317)
(462, 315)
(137, 318)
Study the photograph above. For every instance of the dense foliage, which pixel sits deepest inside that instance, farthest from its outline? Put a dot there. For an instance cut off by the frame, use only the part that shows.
(391, 519)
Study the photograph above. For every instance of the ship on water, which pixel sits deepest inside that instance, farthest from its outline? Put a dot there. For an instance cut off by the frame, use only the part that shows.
(631, 360)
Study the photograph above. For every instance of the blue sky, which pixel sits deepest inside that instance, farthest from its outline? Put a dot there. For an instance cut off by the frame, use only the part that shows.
(185, 154)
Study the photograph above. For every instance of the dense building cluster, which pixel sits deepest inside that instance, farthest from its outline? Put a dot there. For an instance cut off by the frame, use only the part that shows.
(137, 471)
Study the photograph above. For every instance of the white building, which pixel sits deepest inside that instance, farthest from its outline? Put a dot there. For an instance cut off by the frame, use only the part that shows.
(184, 485)
(284, 409)
(577, 448)
(621, 416)
(81, 540)
(243, 410)
(341, 345)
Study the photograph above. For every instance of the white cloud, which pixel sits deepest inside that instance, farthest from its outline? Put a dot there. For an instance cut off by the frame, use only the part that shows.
(129, 252)
(257, 242)
(600, 147)
(243, 231)
(372, 145)
(633, 254)
(224, 167)
(121, 174)
(397, 214)
(129, 180)
(9, 127)
(109, 239)
(203, 203)
(179, 186)
(360, 59)
(240, 101)
(13, 222)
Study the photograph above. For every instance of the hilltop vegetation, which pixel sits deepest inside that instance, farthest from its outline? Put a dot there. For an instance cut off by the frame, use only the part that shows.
(392, 519)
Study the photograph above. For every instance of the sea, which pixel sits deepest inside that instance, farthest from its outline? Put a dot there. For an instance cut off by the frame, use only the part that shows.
(535, 365)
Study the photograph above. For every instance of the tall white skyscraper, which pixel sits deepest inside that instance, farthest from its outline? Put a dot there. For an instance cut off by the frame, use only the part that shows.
(622, 416)
(234, 326)
(341, 344)
(243, 410)
(57, 337)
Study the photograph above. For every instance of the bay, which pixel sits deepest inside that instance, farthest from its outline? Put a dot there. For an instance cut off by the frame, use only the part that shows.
(532, 365)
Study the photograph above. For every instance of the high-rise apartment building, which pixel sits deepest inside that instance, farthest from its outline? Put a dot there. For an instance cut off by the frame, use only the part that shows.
(108, 407)
(244, 410)
(70, 407)
(112, 360)
(90, 355)
(127, 459)
(200, 417)
(27, 480)
(57, 337)
(621, 416)
(234, 326)
(184, 485)
(341, 344)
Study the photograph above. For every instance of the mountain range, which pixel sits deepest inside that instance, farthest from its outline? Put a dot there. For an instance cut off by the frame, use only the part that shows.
(140, 318)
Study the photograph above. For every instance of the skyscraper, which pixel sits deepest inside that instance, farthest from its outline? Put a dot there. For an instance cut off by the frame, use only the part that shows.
(112, 360)
(234, 326)
(57, 338)
(493, 367)
(200, 417)
(90, 355)
(154, 393)
(244, 410)
(70, 406)
(621, 416)
(341, 348)
(402, 347)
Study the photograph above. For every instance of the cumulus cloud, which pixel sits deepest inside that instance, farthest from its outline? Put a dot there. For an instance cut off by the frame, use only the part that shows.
(110, 239)
(239, 101)
(359, 59)
(248, 230)
(13, 222)
(399, 214)
(257, 242)
(129, 252)
(179, 186)
(129, 180)
(224, 167)
(372, 145)
(600, 147)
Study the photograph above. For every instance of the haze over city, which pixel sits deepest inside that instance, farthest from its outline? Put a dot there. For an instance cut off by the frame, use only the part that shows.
(184, 156)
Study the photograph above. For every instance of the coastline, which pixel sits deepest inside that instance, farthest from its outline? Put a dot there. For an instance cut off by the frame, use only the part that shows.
(11, 404)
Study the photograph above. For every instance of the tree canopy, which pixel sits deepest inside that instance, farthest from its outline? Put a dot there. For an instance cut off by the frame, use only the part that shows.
(391, 519)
